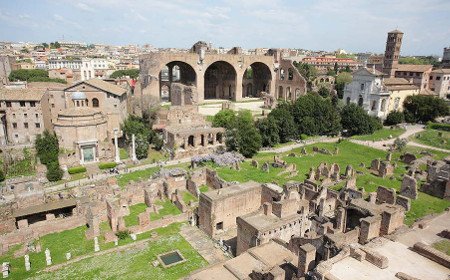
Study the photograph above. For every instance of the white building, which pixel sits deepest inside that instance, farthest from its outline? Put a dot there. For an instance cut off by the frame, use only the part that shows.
(94, 68)
(440, 82)
(69, 64)
(377, 95)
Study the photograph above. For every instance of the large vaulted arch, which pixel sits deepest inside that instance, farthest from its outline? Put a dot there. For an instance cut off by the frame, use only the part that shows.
(220, 81)
(257, 79)
(175, 72)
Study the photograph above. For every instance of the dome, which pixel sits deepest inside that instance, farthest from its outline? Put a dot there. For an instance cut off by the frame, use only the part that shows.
(78, 95)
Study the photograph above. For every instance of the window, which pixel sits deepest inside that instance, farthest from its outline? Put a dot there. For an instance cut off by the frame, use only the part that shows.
(219, 226)
(53, 105)
(32, 104)
(360, 101)
(37, 116)
(14, 116)
(431, 78)
(348, 100)
(8, 103)
(383, 105)
(25, 115)
(14, 125)
(281, 74)
(438, 78)
(374, 105)
(362, 86)
(25, 125)
(290, 74)
(38, 125)
(22, 103)
(95, 103)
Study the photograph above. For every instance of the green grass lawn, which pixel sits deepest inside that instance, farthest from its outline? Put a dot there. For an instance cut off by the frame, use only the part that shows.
(135, 210)
(443, 246)
(73, 241)
(123, 180)
(382, 134)
(188, 197)
(123, 153)
(433, 137)
(203, 188)
(168, 208)
(136, 262)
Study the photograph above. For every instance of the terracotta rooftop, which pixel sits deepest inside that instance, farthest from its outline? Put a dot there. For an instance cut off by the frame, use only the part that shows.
(441, 71)
(413, 68)
(102, 85)
(396, 81)
(46, 85)
(25, 94)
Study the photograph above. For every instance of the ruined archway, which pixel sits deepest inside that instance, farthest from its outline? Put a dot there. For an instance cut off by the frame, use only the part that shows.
(220, 81)
(259, 77)
(175, 71)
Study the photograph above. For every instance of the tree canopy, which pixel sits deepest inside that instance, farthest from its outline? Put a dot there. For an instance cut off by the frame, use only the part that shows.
(132, 73)
(243, 137)
(424, 108)
(225, 118)
(33, 75)
(356, 121)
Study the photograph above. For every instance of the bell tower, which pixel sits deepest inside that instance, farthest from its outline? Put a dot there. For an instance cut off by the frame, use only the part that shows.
(392, 52)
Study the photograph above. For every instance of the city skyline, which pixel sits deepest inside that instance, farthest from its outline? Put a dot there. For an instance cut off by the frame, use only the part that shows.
(287, 24)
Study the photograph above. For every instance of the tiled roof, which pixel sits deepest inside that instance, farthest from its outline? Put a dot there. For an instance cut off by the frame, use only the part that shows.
(102, 85)
(396, 81)
(26, 94)
(413, 68)
(441, 71)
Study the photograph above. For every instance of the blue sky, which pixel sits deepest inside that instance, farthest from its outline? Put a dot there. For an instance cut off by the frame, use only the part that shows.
(354, 25)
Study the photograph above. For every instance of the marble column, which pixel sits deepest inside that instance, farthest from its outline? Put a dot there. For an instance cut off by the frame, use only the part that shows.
(133, 148)
(116, 144)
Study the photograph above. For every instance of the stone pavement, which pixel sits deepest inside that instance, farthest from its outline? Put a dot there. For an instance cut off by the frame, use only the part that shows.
(203, 244)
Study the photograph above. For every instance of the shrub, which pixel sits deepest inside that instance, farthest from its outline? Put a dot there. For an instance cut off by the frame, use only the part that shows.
(107, 165)
(439, 126)
(76, 169)
(225, 118)
(54, 172)
(400, 143)
(123, 234)
(2, 176)
(394, 117)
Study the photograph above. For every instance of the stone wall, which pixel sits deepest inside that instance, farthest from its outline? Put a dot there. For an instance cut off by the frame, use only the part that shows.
(432, 254)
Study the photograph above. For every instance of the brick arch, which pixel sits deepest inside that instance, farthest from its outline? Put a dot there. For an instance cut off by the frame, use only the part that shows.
(220, 80)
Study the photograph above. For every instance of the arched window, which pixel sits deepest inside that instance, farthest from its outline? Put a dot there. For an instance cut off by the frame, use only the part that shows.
(383, 105)
(290, 74)
(348, 100)
(95, 103)
(360, 101)
(281, 74)
(374, 105)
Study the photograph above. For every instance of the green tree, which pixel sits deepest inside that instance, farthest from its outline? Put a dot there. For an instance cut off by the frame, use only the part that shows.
(132, 73)
(424, 108)
(315, 115)
(283, 118)
(336, 68)
(244, 137)
(142, 145)
(47, 147)
(394, 117)
(324, 92)
(224, 118)
(45, 45)
(54, 172)
(32, 75)
(269, 131)
(356, 121)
